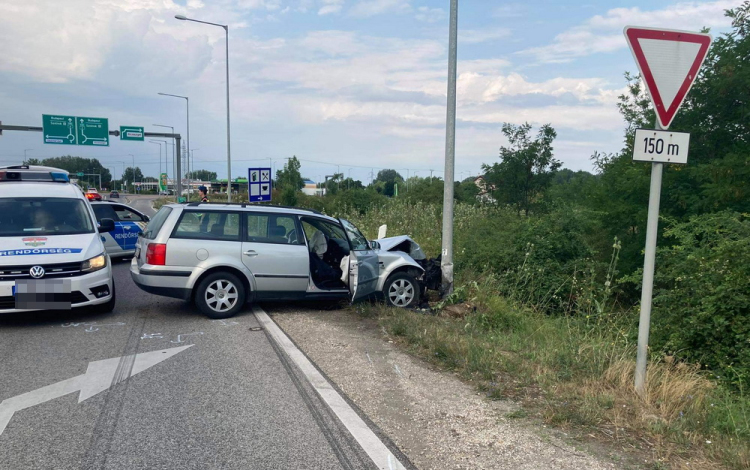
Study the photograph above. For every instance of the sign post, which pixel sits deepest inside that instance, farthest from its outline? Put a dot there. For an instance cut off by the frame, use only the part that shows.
(259, 184)
(669, 62)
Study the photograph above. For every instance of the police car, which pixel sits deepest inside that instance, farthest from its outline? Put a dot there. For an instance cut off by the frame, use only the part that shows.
(51, 252)
(128, 223)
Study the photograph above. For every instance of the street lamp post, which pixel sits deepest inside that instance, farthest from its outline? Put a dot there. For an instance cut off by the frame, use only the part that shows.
(24, 154)
(229, 153)
(159, 144)
(174, 163)
(133, 167)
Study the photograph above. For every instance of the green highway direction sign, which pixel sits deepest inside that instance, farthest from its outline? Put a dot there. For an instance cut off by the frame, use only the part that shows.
(80, 173)
(131, 133)
(59, 130)
(74, 130)
(93, 131)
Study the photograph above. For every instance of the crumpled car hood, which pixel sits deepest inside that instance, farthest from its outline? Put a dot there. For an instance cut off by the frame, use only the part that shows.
(402, 243)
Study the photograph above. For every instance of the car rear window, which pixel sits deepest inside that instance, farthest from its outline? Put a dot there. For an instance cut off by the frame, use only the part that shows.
(208, 226)
(154, 225)
(44, 216)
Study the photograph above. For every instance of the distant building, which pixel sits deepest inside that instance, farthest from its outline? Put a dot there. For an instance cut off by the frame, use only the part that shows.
(484, 190)
(311, 188)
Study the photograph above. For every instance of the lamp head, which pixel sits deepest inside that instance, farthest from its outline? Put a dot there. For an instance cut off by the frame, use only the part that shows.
(180, 17)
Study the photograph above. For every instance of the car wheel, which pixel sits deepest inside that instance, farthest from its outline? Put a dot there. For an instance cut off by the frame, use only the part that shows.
(401, 290)
(220, 295)
(107, 306)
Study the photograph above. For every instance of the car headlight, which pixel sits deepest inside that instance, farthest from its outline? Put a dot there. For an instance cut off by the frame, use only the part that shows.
(94, 264)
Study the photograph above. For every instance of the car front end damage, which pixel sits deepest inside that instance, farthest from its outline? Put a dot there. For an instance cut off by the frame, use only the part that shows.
(403, 253)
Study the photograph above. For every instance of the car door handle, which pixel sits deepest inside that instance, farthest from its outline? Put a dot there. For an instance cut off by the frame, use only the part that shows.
(250, 253)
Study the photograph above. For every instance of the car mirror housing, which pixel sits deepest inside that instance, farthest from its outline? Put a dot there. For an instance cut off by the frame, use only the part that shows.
(375, 245)
(106, 225)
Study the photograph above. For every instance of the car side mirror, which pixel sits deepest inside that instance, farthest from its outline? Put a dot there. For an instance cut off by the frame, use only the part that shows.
(146, 218)
(106, 225)
(375, 245)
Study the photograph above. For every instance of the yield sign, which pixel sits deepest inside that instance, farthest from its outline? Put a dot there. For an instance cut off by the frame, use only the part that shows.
(669, 61)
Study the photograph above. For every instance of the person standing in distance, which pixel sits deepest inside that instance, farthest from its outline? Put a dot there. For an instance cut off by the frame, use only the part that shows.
(202, 190)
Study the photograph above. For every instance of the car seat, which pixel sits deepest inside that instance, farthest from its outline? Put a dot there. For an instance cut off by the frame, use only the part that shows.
(277, 234)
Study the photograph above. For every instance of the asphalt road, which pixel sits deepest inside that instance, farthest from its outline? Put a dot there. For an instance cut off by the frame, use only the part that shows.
(231, 400)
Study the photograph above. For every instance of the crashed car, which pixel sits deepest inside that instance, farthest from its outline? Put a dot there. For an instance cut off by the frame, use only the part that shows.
(221, 256)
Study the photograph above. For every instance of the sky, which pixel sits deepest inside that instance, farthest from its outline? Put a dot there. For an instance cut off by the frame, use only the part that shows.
(349, 86)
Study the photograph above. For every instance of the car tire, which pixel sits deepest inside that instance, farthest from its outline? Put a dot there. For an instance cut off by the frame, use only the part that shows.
(220, 295)
(401, 290)
(109, 305)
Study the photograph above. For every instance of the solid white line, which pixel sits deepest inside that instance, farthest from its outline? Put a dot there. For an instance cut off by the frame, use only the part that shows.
(372, 445)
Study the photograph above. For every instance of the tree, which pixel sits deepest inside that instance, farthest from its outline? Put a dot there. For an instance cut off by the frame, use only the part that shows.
(89, 166)
(132, 174)
(526, 167)
(429, 190)
(289, 181)
(203, 175)
(386, 180)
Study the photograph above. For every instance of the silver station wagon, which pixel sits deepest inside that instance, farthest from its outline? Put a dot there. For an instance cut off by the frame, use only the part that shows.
(222, 256)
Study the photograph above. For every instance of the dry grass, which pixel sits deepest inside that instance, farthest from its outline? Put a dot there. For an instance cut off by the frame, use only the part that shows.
(579, 378)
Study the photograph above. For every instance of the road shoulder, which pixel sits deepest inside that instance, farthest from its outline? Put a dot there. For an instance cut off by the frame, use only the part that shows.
(438, 421)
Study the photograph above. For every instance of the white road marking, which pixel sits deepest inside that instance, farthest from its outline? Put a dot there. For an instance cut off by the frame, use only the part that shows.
(372, 445)
(99, 376)
(180, 340)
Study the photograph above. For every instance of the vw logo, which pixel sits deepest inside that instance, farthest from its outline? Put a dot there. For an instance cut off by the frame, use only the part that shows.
(36, 272)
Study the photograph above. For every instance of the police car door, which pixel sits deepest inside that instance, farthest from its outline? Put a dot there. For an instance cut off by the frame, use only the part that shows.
(112, 240)
(131, 222)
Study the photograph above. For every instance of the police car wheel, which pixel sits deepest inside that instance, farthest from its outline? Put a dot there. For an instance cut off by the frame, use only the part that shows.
(109, 305)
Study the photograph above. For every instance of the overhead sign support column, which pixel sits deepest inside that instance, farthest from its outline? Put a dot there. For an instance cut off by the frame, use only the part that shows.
(669, 62)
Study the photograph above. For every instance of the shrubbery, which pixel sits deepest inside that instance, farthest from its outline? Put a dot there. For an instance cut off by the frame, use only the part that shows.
(702, 294)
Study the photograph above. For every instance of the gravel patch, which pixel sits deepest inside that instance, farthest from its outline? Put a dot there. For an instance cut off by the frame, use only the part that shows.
(434, 418)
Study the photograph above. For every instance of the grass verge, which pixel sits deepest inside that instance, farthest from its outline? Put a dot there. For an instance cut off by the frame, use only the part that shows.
(577, 373)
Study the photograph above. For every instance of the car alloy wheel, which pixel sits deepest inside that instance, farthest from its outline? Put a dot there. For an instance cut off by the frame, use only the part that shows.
(402, 291)
(221, 296)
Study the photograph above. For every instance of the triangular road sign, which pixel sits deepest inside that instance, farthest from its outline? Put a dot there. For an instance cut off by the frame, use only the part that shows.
(669, 61)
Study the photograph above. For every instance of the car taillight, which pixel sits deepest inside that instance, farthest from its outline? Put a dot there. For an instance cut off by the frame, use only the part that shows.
(156, 254)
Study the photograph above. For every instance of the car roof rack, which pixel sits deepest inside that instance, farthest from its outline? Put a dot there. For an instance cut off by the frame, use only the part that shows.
(245, 204)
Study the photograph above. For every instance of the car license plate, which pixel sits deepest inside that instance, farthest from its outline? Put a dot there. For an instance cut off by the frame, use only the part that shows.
(43, 294)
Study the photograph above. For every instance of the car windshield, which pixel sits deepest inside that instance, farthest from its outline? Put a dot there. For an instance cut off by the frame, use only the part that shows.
(43, 216)
(358, 241)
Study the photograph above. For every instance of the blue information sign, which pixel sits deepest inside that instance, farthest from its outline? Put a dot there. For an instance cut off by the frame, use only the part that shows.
(259, 184)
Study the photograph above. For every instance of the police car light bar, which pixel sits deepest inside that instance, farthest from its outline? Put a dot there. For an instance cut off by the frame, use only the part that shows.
(12, 174)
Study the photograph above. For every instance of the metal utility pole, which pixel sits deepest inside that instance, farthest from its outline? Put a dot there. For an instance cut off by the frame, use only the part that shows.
(446, 262)
(229, 153)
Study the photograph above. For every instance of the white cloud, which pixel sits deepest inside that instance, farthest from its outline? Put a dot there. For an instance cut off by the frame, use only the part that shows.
(511, 10)
(429, 15)
(476, 36)
(330, 6)
(367, 8)
(603, 33)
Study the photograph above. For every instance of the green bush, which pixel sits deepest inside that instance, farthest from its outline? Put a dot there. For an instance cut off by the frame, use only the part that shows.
(547, 261)
(702, 294)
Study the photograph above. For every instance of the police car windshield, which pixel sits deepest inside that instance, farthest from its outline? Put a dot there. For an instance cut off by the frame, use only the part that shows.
(43, 216)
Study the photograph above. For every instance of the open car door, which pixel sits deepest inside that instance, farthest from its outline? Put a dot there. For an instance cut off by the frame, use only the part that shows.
(363, 263)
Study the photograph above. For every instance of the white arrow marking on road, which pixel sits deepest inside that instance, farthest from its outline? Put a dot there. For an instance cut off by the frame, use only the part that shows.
(99, 376)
